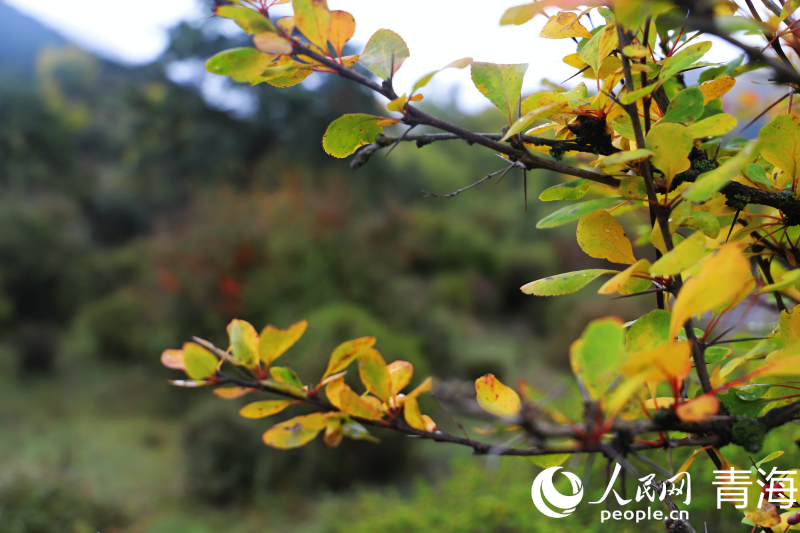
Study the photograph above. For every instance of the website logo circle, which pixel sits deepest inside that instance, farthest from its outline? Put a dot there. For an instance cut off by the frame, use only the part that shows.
(543, 486)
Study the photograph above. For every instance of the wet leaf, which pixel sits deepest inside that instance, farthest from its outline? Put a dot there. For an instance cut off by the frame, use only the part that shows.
(401, 373)
(602, 237)
(313, 19)
(384, 49)
(265, 408)
(721, 277)
(275, 341)
(556, 27)
(575, 211)
(751, 393)
(295, 432)
(199, 362)
(496, 398)
(250, 20)
(501, 84)
(564, 283)
(686, 106)
(596, 357)
(244, 342)
(343, 26)
(671, 144)
(713, 89)
(713, 126)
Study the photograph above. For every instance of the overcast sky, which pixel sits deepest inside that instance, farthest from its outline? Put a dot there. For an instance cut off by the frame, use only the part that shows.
(436, 31)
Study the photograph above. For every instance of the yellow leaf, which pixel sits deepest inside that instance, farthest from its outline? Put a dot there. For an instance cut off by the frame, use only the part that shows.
(790, 328)
(274, 341)
(670, 362)
(549, 460)
(265, 408)
(354, 405)
(374, 373)
(425, 386)
(765, 517)
(412, 414)
(200, 363)
(721, 277)
(619, 281)
(343, 26)
(334, 388)
(682, 256)
(272, 43)
(313, 19)
(286, 25)
(602, 237)
(345, 353)
(496, 398)
(173, 359)
(430, 425)
(333, 430)
(401, 373)
(635, 51)
(244, 342)
(296, 431)
(780, 143)
(698, 409)
(713, 89)
(564, 25)
(671, 144)
(659, 403)
(232, 393)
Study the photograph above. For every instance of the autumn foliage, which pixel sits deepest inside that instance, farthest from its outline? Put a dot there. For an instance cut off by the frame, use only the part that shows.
(715, 224)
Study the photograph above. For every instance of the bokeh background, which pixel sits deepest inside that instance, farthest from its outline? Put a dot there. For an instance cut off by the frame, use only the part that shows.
(139, 208)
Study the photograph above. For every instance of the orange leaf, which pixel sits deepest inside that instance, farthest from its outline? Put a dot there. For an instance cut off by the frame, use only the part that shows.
(173, 359)
(343, 26)
(698, 409)
(412, 414)
(354, 405)
(232, 393)
(401, 373)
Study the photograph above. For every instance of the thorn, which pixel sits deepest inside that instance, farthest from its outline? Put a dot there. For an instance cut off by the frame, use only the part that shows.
(735, 218)
(576, 74)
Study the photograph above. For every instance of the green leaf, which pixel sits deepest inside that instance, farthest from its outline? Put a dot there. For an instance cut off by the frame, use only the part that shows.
(244, 342)
(671, 144)
(348, 132)
(285, 72)
(596, 357)
(632, 96)
(575, 211)
(570, 190)
(265, 408)
(241, 64)
(566, 283)
(789, 279)
(374, 373)
(384, 49)
(633, 187)
(578, 95)
(709, 183)
(683, 59)
(715, 354)
(713, 126)
(738, 407)
(705, 222)
(250, 20)
(686, 106)
(788, 8)
(286, 376)
(757, 174)
(501, 84)
(751, 393)
(313, 19)
(199, 362)
(354, 430)
(459, 64)
(549, 460)
(648, 332)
